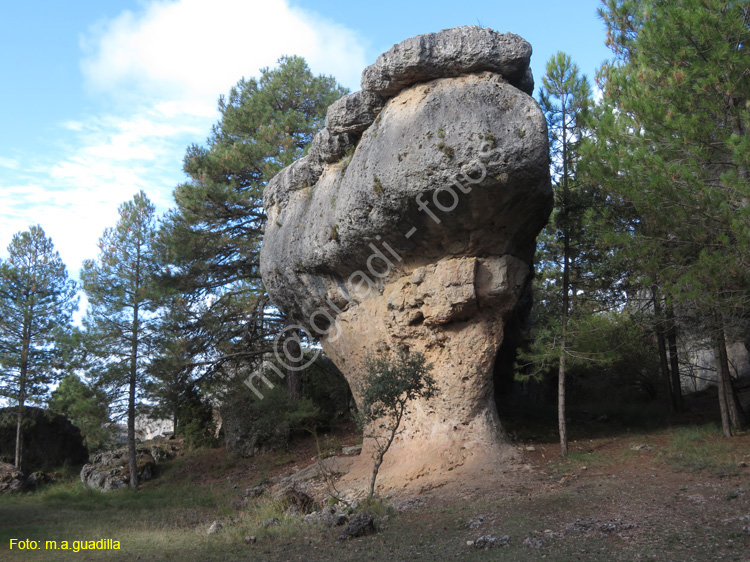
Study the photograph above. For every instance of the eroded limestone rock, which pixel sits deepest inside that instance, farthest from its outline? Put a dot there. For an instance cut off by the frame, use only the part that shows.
(423, 236)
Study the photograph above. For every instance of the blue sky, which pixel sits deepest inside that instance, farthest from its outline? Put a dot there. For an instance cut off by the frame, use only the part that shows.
(100, 99)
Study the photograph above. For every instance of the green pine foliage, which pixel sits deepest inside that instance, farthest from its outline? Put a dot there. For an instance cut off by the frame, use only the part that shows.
(37, 300)
(670, 152)
(671, 147)
(213, 236)
(87, 408)
(123, 304)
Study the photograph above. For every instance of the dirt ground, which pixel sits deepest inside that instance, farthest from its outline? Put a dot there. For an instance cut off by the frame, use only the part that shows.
(617, 497)
(678, 493)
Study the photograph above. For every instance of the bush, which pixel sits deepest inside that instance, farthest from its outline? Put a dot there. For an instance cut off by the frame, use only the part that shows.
(388, 387)
(253, 425)
(195, 420)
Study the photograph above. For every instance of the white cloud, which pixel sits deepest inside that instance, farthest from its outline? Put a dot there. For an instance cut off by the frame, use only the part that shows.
(187, 52)
(160, 72)
(10, 163)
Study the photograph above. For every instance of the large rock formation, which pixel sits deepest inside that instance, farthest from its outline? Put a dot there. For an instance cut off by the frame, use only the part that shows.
(49, 439)
(411, 223)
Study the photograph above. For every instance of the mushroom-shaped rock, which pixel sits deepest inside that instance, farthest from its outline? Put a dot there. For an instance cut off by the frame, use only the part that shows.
(422, 238)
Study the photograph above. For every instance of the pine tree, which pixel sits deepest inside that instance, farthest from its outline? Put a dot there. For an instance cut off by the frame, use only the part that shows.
(37, 300)
(564, 98)
(213, 235)
(87, 408)
(672, 150)
(122, 307)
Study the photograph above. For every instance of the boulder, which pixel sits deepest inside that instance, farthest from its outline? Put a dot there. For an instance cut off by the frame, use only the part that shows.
(423, 237)
(49, 439)
(37, 479)
(11, 479)
(110, 470)
(360, 525)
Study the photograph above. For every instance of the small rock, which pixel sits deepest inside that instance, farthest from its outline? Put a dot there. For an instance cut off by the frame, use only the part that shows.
(476, 522)
(298, 502)
(531, 448)
(36, 479)
(641, 447)
(533, 543)
(361, 524)
(271, 522)
(488, 541)
(351, 451)
(214, 528)
(255, 492)
(697, 499)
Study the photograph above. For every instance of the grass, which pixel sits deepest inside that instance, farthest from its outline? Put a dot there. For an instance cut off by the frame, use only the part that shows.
(152, 519)
(580, 460)
(702, 449)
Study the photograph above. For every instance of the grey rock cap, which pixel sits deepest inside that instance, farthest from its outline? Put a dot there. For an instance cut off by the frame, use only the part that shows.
(448, 53)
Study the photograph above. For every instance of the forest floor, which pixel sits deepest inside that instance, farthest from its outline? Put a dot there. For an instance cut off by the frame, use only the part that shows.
(675, 492)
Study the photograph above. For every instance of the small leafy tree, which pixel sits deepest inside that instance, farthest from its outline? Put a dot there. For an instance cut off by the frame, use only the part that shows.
(390, 384)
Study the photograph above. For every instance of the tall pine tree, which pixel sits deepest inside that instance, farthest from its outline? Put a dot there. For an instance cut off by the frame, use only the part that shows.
(213, 235)
(122, 307)
(37, 300)
(565, 97)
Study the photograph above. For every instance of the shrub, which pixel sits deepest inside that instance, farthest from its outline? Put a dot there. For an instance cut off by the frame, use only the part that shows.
(388, 387)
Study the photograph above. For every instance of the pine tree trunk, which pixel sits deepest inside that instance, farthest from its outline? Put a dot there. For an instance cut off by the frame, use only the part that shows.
(132, 452)
(722, 375)
(293, 357)
(674, 359)
(561, 423)
(733, 408)
(662, 347)
(19, 434)
(22, 378)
